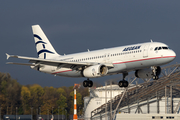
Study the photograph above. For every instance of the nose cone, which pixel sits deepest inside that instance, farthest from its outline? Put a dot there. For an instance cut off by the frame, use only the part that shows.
(172, 55)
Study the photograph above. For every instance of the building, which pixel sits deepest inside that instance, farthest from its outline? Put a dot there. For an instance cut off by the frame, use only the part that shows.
(100, 96)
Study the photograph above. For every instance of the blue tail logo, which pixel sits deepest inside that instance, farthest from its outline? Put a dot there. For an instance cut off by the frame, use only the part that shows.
(43, 45)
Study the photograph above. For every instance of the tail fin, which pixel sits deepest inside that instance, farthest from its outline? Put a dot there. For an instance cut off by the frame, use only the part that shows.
(44, 48)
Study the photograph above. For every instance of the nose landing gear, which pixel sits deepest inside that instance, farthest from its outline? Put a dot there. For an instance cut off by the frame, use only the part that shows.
(155, 76)
(88, 83)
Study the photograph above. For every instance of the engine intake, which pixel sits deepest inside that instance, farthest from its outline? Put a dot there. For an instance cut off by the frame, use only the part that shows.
(95, 71)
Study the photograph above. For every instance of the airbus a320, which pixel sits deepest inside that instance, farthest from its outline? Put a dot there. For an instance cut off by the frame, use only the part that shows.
(143, 58)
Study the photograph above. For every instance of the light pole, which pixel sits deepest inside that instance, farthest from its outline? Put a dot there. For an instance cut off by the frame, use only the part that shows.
(58, 112)
(37, 112)
(66, 114)
(40, 111)
(31, 113)
(52, 112)
(0, 113)
(48, 113)
(16, 113)
(7, 110)
(62, 113)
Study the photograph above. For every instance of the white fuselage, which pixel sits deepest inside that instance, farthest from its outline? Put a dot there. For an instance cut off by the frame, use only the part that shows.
(124, 58)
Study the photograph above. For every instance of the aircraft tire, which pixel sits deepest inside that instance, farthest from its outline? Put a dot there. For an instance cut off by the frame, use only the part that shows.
(155, 77)
(85, 83)
(90, 83)
(120, 84)
(123, 83)
(126, 83)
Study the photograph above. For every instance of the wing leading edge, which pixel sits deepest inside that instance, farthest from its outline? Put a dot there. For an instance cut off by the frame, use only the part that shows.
(66, 64)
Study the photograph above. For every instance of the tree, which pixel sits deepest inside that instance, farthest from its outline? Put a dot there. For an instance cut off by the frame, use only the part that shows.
(13, 95)
(37, 93)
(49, 100)
(62, 103)
(25, 97)
(61, 91)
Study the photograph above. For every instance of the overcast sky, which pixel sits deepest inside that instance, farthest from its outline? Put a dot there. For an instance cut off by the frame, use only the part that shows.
(75, 26)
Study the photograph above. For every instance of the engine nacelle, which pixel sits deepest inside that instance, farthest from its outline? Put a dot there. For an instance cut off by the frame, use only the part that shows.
(147, 73)
(95, 71)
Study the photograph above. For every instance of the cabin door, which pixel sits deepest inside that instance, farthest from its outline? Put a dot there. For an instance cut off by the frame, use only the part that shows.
(145, 50)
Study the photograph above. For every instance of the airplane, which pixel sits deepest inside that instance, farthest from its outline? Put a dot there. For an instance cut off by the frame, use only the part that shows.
(143, 58)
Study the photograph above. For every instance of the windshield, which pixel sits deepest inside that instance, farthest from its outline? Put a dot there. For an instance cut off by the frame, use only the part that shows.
(161, 48)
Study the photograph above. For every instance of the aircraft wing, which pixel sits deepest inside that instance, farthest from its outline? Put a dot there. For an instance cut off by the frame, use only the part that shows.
(66, 64)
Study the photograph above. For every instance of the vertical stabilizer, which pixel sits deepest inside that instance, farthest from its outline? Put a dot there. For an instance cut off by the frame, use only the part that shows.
(44, 48)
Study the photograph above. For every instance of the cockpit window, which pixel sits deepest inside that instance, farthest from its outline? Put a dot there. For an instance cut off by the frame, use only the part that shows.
(159, 48)
(165, 48)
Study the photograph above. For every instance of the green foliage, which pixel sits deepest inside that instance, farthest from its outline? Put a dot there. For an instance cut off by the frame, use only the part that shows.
(62, 103)
(9, 93)
(34, 97)
(25, 98)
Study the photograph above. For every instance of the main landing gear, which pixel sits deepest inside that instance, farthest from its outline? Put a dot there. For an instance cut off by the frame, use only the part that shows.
(123, 83)
(88, 83)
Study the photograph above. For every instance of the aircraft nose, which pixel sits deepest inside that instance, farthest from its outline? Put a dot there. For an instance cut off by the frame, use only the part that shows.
(173, 55)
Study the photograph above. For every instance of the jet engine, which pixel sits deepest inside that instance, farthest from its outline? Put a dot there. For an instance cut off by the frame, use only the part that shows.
(95, 71)
(148, 73)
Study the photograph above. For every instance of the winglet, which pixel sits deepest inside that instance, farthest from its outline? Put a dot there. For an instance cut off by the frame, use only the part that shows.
(7, 56)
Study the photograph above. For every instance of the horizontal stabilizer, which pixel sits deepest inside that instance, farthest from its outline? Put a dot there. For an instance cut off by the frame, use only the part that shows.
(27, 64)
(8, 56)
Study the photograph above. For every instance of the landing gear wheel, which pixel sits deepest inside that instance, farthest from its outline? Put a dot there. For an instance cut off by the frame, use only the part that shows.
(120, 84)
(155, 77)
(123, 83)
(126, 83)
(88, 83)
(85, 83)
